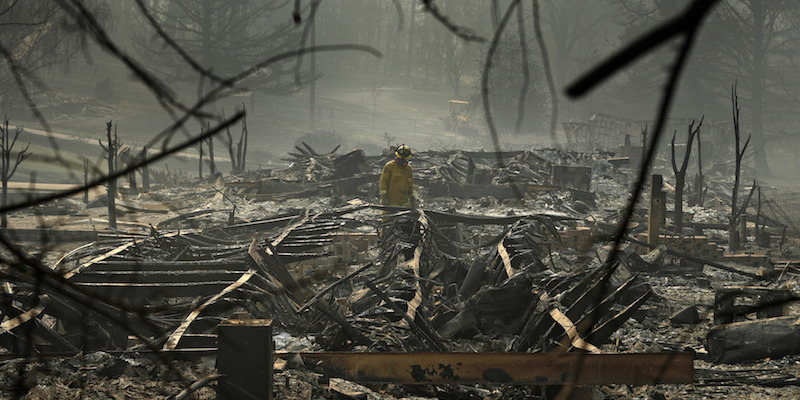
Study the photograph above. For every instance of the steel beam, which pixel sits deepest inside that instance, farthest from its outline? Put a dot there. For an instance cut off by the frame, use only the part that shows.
(507, 368)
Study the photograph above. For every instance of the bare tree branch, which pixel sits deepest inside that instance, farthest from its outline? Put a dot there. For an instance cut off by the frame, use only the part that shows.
(551, 84)
(460, 31)
(681, 25)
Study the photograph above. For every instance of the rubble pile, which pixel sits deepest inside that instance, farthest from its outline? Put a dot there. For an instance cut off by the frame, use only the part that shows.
(509, 252)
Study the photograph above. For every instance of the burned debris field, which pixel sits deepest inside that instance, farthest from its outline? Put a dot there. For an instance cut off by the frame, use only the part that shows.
(408, 199)
(475, 269)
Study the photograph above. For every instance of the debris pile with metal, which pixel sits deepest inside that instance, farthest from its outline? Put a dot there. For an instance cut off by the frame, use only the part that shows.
(516, 263)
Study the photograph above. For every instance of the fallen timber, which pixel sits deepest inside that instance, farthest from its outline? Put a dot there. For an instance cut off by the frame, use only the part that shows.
(711, 263)
(754, 340)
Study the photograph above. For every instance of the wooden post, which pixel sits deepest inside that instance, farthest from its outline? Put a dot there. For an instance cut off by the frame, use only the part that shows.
(112, 184)
(210, 144)
(86, 180)
(680, 175)
(245, 359)
(657, 211)
(145, 171)
(200, 163)
(758, 219)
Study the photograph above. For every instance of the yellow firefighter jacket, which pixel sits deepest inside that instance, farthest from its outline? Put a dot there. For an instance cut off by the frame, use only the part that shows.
(397, 184)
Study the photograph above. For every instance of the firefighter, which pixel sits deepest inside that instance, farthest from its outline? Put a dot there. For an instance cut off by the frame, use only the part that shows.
(397, 184)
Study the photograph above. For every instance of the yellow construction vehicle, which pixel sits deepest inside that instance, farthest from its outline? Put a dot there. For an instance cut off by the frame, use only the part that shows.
(458, 119)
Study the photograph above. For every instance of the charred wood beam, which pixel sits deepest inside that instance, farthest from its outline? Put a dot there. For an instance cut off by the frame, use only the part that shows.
(503, 254)
(601, 334)
(766, 302)
(337, 317)
(591, 296)
(538, 322)
(428, 335)
(414, 264)
(591, 282)
(573, 337)
(333, 286)
(302, 151)
(76, 309)
(160, 266)
(321, 237)
(439, 216)
(18, 341)
(43, 331)
(589, 319)
(265, 262)
(685, 256)
(198, 340)
(18, 318)
(164, 277)
(175, 337)
(310, 149)
(16, 344)
(300, 256)
(142, 291)
(73, 317)
(298, 242)
(101, 257)
(754, 340)
(474, 279)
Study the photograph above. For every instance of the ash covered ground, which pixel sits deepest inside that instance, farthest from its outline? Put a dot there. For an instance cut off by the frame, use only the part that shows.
(322, 226)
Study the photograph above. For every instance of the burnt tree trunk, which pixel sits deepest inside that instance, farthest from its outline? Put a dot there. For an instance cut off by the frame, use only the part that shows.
(242, 146)
(699, 184)
(86, 180)
(212, 166)
(112, 183)
(680, 175)
(200, 161)
(733, 240)
(145, 171)
(7, 170)
(754, 340)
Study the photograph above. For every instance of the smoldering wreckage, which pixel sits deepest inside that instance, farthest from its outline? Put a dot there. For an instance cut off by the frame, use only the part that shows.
(292, 284)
